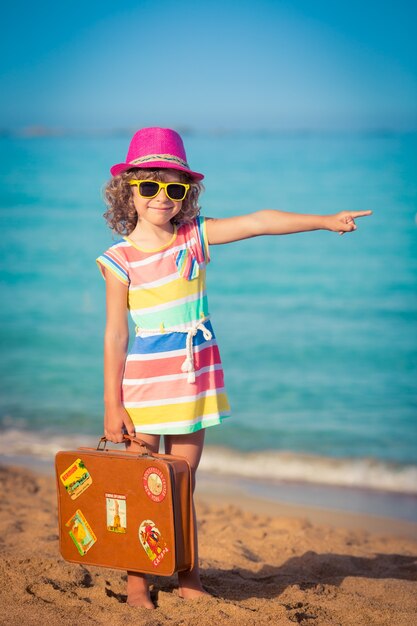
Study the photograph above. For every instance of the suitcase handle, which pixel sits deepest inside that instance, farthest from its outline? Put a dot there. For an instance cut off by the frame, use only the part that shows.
(104, 440)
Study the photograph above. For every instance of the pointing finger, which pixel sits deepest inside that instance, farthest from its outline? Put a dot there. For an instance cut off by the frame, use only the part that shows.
(360, 213)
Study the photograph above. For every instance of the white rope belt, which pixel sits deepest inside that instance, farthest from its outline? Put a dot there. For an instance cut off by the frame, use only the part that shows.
(188, 364)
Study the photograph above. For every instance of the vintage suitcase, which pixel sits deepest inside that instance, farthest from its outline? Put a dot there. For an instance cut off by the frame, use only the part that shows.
(125, 510)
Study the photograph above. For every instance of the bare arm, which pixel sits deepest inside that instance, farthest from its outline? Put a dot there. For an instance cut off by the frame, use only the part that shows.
(272, 222)
(116, 339)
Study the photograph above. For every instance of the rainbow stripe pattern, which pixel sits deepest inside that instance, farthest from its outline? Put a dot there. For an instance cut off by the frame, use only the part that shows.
(166, 294)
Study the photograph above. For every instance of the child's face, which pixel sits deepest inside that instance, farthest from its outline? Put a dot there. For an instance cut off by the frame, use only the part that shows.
(158, 210)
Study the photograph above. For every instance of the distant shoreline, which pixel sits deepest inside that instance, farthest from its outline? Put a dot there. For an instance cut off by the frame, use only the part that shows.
(374, 485)
(249, 496)
(338, 505)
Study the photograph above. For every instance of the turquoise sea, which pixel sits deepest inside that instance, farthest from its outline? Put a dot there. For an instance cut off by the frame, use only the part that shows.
(317, 332)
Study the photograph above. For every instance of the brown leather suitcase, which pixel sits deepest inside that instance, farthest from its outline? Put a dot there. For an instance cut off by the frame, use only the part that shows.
(125, 510)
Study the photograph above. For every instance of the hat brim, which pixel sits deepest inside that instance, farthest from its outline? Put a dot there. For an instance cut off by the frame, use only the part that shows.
(151, 165)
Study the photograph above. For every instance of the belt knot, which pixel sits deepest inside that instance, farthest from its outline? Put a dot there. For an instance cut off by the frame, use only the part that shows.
(188, 365)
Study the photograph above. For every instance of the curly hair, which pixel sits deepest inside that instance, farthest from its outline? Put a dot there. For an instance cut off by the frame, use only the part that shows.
(121, 215)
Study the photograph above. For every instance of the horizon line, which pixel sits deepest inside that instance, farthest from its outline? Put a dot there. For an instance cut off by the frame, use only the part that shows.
(38, 131)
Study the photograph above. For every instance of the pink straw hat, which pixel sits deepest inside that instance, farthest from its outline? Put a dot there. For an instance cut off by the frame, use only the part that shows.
(154, 148)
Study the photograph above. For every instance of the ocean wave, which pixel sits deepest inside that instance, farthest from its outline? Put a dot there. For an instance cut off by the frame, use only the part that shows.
(282, 466)
(41, 445)
(267, 465)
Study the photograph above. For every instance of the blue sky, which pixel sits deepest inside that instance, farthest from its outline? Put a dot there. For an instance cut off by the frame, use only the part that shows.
(242, 65)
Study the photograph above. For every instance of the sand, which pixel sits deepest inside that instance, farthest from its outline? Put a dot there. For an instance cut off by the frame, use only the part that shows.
(260, 569)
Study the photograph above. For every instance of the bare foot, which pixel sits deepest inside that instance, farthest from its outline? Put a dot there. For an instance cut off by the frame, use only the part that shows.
(138, 591)
(190, 586)
(190, 594)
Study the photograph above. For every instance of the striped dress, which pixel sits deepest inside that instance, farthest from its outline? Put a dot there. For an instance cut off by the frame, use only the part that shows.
(173, 378)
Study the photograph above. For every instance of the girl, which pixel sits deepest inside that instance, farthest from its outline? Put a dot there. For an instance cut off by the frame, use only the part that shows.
(171, 382)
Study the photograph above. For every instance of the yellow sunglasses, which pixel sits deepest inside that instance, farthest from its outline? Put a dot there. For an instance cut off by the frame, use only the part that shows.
(151, 188)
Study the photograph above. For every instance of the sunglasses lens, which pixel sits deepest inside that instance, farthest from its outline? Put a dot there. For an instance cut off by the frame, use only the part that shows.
(148, 188)
(176, 191)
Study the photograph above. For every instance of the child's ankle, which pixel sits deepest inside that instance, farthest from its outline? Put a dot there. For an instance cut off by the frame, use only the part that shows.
(138, 591)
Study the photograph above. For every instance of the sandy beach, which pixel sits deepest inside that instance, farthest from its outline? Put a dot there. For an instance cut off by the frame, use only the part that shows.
(276, 565)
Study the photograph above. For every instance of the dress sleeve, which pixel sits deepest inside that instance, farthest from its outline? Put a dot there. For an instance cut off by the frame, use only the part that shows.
(200, 233)
(113, 261)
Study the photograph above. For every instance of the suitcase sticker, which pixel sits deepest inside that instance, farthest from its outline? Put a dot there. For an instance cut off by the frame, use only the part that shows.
(152, 541)
(81, 532)
(116, 512)
(155, 484)
(76, 479)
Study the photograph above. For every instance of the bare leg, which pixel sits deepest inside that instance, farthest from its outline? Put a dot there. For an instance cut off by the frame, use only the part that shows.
(191, 447)
(137, 584)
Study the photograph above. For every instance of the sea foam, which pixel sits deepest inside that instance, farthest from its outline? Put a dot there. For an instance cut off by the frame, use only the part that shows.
(268, 465)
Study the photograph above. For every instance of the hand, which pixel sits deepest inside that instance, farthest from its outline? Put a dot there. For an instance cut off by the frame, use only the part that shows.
(116, 423)
(344, 222)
